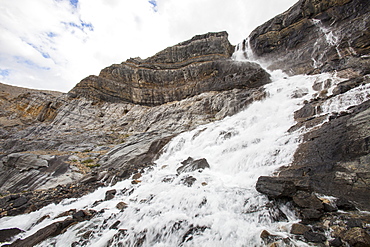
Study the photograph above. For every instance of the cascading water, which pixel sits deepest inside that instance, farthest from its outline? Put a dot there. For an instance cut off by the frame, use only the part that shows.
(217, 206)
(243, 51)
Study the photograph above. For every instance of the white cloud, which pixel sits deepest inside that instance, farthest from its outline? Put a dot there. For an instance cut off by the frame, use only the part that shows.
(53, 44)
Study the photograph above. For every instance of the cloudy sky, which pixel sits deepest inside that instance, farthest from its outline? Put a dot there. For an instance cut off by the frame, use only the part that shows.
(53, 44)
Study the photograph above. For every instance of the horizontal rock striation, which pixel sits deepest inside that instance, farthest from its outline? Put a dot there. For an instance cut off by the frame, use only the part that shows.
(49, 139)
(199, 65)
(315, 36)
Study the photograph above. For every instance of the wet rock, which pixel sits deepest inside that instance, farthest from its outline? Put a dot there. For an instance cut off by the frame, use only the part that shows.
(310, 214)
(354, 223)
(8, 234)
(110, 194)
(193, 230)
(268, 238)
(66, 213)
(344, 204)
(338, 231)
(136, 176)
(329, 207)
(188, 180)
(282, 43)
(190, 165)
(83, 215)
(87, 235)
(345, 86)
(307, 200)
(314, 237)
(275, 187)
(336, 242)
(299, 229)
(42, 219)
(51, 230)
(276, 214)
(121, 206)
(115, 225)
(357, 237)
(118, 236)
(338, 147)
(308, 110)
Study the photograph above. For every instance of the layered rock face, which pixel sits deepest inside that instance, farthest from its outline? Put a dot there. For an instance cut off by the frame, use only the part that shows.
(315, 36)
(333, 159)
(55, 146)
(199, 65)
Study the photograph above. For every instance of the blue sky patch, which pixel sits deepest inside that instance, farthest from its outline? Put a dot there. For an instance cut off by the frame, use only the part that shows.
(51, 34)
(44, 54)
(82, 25)
(74, 3)
(154, 5)
(4, 72)
(30, 63)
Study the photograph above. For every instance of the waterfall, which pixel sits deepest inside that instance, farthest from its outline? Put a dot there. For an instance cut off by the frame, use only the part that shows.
(215, 206)
(243, 51)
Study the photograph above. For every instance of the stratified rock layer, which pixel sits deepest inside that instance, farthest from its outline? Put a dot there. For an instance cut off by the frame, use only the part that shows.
(199, 65)
(116, 123)
(316, 36)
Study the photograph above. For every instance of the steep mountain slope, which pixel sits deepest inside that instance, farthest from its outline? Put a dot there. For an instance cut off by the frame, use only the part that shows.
(113, 127)
(102, 133)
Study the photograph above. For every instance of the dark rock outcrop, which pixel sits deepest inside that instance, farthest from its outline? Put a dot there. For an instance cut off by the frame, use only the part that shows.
(190, 165)
(8, 234)
(333, 159)
(199, 65)
(275, 187)
(316, 36)
(53, 229)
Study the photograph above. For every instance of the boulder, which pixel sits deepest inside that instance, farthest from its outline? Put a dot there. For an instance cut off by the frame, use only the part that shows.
(121, 206)
(8, 234)
(299, 229)
(336, 242)
(188, 180)
(190, 165)
(275, 187)
(357, 237)
(110, 194)
(304, 199)
(314, 237)
(51, 230)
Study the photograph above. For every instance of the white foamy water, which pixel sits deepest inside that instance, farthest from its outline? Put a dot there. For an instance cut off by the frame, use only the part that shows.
(222, 207)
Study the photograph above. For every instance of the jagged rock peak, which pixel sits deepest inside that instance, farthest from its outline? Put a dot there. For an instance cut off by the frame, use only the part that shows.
(192, 67)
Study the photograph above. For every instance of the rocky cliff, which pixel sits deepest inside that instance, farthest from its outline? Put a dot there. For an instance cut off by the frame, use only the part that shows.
(320, 36)
(333, 159)
(315, 36)
(113, 125)
(199, 65)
